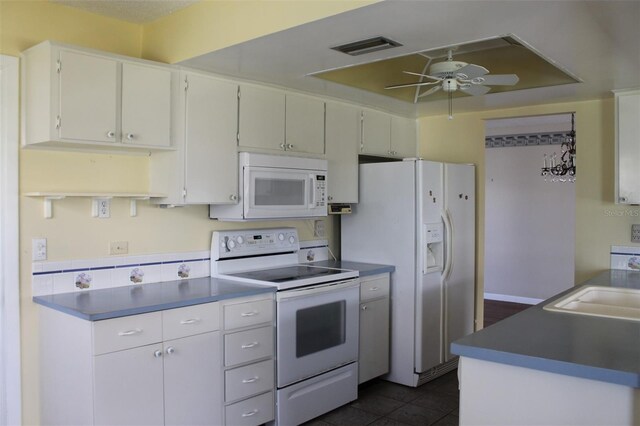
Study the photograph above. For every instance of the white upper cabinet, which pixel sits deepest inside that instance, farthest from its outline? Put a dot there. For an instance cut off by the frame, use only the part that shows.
(304, 124)
(628, 146)
(82, 99)
(342, 145)
(204, 167)
(376, 133)
(272, 120)
(387, 135)
(404, 140)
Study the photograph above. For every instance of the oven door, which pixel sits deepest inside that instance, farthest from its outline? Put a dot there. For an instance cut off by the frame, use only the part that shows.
(275, 193)
(317, 329)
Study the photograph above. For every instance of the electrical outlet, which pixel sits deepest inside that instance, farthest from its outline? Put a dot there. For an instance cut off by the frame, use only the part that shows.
(39, 249)
(318, 228)
(119, 247)
(635, 233)
(104, 208)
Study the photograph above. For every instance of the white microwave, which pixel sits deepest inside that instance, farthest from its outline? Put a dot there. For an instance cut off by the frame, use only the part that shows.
(276, 187)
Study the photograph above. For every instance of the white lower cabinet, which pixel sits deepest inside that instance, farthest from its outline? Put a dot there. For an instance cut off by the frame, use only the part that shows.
(374, 327)
(164, 367)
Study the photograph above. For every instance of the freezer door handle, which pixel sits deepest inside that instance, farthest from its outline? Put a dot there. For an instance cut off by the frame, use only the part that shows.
(448, 244)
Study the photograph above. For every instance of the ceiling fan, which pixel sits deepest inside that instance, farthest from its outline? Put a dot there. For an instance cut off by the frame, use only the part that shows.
(450, 76)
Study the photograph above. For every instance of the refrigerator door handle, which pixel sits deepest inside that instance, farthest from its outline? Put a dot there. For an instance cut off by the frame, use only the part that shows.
(448, 245)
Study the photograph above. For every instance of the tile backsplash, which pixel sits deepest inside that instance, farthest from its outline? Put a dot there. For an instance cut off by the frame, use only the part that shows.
(116, 271)
(627, 258)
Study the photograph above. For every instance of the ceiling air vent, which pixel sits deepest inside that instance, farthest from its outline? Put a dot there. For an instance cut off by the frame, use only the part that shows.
(366, 46)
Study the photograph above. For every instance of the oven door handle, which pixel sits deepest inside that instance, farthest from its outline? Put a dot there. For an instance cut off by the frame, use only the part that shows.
(316, 289)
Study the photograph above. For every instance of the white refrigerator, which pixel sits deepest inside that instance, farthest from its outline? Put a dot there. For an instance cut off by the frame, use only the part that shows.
(420, 217)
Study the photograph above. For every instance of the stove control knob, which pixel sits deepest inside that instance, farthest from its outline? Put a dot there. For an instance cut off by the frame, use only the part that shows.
(281, 237)
(240, 240)
(292, 239)
(231, 244)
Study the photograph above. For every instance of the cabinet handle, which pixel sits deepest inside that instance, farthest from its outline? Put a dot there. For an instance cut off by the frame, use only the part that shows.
(170, 350)
(111, 134)
(249, 345)
(233, 197)
(373, 289)
(249, 314)
(623, 199)
(364, 307)
(250, 413)
(130, 332)
(282, 145)
(130, 136)
(289, 146)
(157, 354)
(190, 321)
(251, 380)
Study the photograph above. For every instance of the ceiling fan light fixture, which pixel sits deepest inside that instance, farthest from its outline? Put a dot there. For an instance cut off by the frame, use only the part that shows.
(367, 46)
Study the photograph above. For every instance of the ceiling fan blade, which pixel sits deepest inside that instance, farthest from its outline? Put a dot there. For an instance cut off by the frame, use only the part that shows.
(475, 90)
(472, 71)
(430, 91)
(499, 79)
(398, 86)
(423, 75)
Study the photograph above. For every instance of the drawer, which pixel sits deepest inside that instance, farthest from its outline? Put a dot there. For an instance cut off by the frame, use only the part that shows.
(248, 380)
(247, 346)
(248, 313)
(250, 412)
(126, 332)
(374, 287)
(190, 320)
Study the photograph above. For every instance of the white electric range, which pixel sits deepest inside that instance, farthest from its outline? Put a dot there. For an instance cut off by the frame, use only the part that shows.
(316, 318)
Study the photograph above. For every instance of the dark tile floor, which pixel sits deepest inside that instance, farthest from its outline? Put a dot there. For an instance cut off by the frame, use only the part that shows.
(384, 403)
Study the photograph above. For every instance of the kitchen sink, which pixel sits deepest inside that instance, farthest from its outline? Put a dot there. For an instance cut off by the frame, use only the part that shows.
(609, 302)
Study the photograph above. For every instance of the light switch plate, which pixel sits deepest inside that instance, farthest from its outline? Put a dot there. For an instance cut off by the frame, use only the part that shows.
(635, 233)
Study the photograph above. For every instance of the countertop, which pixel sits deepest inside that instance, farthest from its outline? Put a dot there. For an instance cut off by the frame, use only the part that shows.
(594, 348)
(364, 269)
(131, 300)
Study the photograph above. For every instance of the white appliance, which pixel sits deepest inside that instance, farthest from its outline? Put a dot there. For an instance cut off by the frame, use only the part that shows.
(420, 217)
(274, 187)
(317, 318)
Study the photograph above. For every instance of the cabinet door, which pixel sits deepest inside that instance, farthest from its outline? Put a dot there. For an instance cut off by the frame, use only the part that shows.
(128, 387)
(376, 133)
(304, 124)
(342, 137)
(403, 137)
(261, 118)
(193, 381)
(211, 166)
(628, 147)
(374, 339)
(88, 97)
(146, 105)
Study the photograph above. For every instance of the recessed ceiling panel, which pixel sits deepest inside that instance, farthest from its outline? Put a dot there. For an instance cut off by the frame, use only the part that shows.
(500, 55)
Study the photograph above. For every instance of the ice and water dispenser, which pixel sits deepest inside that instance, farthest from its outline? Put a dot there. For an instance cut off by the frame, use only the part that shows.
(434, 239)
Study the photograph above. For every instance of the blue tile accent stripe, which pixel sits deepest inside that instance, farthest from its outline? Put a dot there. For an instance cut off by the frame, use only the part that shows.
(129, 265)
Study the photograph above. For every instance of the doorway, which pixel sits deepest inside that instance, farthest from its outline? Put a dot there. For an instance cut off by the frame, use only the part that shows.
(529, 221)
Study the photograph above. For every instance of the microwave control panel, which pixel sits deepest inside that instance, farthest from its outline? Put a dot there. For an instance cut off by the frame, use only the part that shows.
(321, 191)
(252, 242)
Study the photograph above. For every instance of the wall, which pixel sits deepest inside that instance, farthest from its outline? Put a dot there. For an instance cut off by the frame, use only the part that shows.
(529, 226)
(599, 222)
(73, 233)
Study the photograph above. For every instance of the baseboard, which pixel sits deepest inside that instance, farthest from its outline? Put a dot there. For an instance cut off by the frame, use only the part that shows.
(512, 299)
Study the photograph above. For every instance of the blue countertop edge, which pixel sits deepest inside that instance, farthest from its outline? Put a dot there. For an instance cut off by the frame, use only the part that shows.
(243, 290)
(615, 376)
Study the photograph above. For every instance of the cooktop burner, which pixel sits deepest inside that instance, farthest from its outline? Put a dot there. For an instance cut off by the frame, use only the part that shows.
(289, 273)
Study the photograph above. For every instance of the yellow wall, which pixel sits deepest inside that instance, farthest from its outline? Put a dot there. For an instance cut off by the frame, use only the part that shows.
(214, 24)
(599, 222)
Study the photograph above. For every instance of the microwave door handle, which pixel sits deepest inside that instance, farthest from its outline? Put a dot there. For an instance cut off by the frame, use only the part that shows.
(312, 190)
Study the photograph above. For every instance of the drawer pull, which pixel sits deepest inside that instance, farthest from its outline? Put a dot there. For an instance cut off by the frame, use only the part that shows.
(250, 413)
(251, 380)
(190, 321)
(374, 288)
(249, 345)
(249, 314)
(130, 332)
(157, 354)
